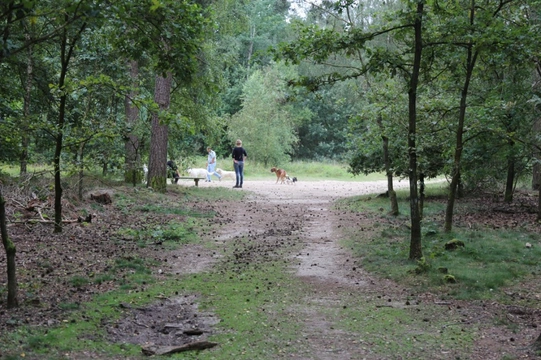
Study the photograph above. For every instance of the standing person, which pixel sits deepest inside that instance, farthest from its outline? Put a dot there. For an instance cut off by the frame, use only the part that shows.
(173, 171)
(238, 155)
(211, 165)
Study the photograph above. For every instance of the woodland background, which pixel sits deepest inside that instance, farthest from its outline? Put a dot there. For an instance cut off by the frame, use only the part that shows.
(415, 89)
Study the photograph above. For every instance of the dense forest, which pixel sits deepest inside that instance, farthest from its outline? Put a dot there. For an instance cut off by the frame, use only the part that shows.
(414, 89)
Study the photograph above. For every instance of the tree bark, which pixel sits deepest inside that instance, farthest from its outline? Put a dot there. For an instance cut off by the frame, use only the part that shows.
(132, 169)
(66, 51)
(157, 167)
(387, 160)
(10, 255)
(59, 136)
(416, 251)
(455, 175)
(539, 205)
(509, 184)
(25, 138)
(421, 194)
(536, 176)
(80, 163)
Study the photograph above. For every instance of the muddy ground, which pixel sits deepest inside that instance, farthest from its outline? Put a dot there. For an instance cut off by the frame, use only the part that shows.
(271, 214)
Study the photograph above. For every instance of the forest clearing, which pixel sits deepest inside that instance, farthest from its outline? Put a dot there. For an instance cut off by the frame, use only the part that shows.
(265, 276)
(102, 103)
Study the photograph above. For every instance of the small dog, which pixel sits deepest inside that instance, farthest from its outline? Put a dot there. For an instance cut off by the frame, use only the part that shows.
(280, 175)
(291, 180)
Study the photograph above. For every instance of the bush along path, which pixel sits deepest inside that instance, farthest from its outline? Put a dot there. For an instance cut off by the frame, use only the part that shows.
(204, 274)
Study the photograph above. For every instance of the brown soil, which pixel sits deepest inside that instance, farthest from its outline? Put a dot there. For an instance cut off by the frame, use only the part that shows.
(271, 214)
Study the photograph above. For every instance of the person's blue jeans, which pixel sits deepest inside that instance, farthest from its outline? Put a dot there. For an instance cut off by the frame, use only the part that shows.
(211, 170)
(239, 168)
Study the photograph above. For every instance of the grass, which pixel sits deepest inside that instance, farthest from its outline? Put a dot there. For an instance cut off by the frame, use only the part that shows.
(311, 171)
(305, 170)
(490, 261)
(395, 329)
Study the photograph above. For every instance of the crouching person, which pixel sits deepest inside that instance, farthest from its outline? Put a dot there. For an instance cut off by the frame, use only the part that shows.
(173, 171)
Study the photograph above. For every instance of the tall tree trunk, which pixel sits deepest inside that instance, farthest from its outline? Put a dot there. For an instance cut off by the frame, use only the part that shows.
(56, 161)
(536, 176)
(10, 255)
(509, 184)
(421, 194)
(157, 166)
(81, 165)
(416, 251)
(387, 160)
(25, 138)
(455, 175)
(539, 205)
(66, 51)
(132, 169)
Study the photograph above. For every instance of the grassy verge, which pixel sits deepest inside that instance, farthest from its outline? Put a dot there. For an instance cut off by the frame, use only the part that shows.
(250, 301)
(490, 260)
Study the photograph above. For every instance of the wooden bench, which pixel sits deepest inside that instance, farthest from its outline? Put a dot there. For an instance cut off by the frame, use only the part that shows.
(195, 179)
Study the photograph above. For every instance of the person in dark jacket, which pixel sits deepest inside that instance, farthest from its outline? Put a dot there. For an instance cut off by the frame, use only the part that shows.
(238, 155)
(173, 171)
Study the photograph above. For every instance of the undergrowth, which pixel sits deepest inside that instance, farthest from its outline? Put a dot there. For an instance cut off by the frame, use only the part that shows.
(491, 260)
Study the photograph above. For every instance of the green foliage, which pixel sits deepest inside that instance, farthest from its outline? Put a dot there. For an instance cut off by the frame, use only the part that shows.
(422, 266)
(139, 266)
(69, 306)
(321, 137)
(266, 123)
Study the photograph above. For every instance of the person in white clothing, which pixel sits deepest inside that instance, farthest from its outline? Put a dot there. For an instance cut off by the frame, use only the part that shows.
(211, 165)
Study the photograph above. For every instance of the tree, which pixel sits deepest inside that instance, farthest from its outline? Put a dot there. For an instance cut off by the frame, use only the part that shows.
(157, 169)
(483, 33)
(132, 142)
(375, 134)
(416, 250)
(319, 44)
(68, 42)
(266, 123)
(10, 249)
(173, 45)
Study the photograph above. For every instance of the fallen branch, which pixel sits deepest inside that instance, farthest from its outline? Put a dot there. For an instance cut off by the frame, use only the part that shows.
(42, 221)
(40, 214)
(139, 324)
(165, 350)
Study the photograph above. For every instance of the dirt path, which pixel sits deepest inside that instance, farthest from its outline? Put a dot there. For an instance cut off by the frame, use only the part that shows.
(303, 213)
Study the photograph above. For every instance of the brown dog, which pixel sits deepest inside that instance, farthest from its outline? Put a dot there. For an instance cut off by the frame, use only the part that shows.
(280, 175)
